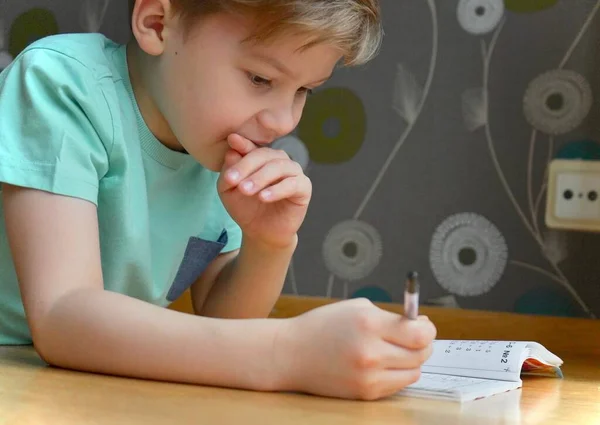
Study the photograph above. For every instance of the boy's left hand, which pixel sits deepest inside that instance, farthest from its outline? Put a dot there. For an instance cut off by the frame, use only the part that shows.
(264, 191)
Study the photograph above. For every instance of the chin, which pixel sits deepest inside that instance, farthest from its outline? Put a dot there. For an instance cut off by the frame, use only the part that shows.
(209, 162)
(216, 165)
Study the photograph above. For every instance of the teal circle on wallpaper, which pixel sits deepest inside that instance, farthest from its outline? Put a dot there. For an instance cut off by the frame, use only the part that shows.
(374, 294)
(31, 26)
(547, 301)
(528, 6)
(333, 125)
(579, 149)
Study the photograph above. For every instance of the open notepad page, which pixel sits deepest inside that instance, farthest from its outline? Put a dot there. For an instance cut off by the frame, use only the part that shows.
(456, 388)
(501, 360)
(465, 370)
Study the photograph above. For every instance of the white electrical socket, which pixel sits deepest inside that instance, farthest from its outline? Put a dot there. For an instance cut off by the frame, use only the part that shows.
(573, 200)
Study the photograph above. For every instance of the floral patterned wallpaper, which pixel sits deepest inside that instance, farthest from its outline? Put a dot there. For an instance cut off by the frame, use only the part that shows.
(434, 156)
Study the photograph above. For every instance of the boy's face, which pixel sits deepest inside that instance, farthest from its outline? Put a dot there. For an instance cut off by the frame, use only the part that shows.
(214, 84)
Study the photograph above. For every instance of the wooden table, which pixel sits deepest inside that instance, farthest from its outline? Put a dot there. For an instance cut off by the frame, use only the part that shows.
(33, 393)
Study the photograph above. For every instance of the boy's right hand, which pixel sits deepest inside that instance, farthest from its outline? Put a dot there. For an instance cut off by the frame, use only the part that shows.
(353, 349)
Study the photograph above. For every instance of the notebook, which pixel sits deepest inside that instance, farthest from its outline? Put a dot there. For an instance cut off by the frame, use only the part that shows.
(466, 370)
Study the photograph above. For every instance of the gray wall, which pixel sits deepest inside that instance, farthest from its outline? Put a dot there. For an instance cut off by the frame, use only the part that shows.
(442, 162)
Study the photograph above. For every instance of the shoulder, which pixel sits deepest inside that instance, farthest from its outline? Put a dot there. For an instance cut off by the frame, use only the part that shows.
(61, 78)
(56, 125)
(85, 54)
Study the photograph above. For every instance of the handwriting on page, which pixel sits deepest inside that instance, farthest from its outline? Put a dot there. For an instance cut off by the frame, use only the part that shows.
(500, 356)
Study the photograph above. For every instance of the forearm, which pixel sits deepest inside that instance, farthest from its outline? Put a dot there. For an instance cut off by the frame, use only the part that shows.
(249, 286)
(105, 332)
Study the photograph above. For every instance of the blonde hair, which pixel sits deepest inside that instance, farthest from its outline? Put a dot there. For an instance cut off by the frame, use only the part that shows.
(354, 26)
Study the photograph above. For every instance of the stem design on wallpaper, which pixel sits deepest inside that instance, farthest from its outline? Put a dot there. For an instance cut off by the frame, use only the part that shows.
(409, 99)
(408, 113)
(533, 227)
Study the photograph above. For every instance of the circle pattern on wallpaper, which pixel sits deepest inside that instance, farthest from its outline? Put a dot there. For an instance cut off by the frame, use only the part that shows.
(468, 254)
(547, 301)
(333, 125)
(557, 101)
(579, 149)
(479, 16)
(295, 149)
(528, 6)
(374, 294)
(352, 249)
(5, 60)
(29, 27)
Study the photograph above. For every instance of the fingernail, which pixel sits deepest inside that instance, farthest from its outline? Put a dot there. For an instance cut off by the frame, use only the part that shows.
(266, 194)
(233, 174)
(247, 186)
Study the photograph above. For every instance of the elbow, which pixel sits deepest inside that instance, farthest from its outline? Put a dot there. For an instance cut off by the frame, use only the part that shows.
(46, 355)
(49, 340)
(46, 350)
(54, 332)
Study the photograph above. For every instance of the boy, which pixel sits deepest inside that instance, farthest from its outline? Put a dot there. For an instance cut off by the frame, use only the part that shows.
(132, 173)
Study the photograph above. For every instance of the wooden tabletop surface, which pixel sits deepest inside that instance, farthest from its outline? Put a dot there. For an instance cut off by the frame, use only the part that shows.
(33, 393)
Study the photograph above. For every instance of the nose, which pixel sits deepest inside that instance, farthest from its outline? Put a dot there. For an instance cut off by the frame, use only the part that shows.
(278, 122)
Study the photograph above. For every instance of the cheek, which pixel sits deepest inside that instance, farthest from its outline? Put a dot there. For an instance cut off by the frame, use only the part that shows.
(230, 104)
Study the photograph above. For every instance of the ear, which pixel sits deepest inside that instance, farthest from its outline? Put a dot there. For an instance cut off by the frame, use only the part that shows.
(150, 23)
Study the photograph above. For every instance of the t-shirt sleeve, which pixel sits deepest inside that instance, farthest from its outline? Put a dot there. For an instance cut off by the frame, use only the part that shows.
(55, 125)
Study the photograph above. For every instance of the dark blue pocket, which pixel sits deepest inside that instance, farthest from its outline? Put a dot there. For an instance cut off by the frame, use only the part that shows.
(199, 253)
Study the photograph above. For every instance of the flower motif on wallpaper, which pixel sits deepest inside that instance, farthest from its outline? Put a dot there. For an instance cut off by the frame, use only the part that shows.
(479, 16)
(467, 254)
(333, 125)
(554, 103)
(557, 101)
(351, 250)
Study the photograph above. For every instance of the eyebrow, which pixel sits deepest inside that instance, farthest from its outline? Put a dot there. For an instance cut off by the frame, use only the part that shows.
(277, 64)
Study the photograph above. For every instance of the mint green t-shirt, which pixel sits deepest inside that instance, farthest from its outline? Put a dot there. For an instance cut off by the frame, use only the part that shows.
(70, 125)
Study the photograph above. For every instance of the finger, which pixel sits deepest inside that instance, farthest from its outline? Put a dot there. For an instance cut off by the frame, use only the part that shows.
(232, 157)
(384, 383)
(272, 172)
(240, 144)
(224, 183)
(394, 381)
(383, 355)
(250, 163)
(411, 334)
(396, 357)
(295, 189)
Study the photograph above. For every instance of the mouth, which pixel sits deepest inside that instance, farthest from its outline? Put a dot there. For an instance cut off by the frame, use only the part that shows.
(261, 143)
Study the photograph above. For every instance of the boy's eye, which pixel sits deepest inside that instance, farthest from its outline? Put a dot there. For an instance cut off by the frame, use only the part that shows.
(259, 81)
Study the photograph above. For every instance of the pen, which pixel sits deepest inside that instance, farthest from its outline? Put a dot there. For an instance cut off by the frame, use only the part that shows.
(411, 296)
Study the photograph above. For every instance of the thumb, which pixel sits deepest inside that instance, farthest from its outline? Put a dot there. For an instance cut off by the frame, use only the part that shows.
(240, 144)
(232, 157)
(225, 181)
